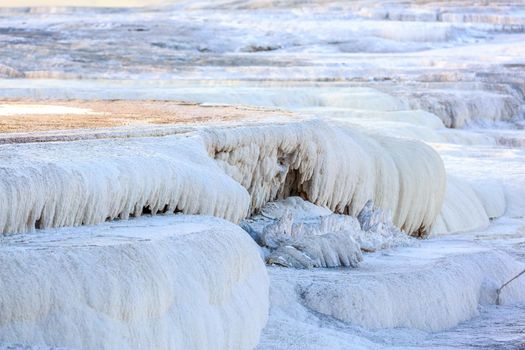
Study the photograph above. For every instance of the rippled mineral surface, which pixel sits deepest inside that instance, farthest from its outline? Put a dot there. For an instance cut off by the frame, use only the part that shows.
(262, 173)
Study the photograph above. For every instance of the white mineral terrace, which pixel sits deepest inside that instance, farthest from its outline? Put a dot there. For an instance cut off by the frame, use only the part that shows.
(262, 174)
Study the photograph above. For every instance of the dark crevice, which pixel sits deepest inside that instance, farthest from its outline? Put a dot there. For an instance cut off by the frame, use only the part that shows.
(39, 224)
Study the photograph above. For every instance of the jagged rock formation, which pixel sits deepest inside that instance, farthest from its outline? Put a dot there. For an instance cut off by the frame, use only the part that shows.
(296, 233)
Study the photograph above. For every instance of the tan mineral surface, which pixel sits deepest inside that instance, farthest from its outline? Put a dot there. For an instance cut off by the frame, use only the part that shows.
(36, 115)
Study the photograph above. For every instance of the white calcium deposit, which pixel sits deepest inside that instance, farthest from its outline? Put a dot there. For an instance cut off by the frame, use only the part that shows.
(412, 111)
(173, 282)
(86, 182)
(297, 233)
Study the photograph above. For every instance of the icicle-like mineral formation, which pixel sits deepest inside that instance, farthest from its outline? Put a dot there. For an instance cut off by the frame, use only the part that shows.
(296, 233)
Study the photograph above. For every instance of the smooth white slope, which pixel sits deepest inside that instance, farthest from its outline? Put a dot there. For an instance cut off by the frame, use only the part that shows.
(429, 287)
(483, 183)
(293, 325)
(462, 210)
(175, 282)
